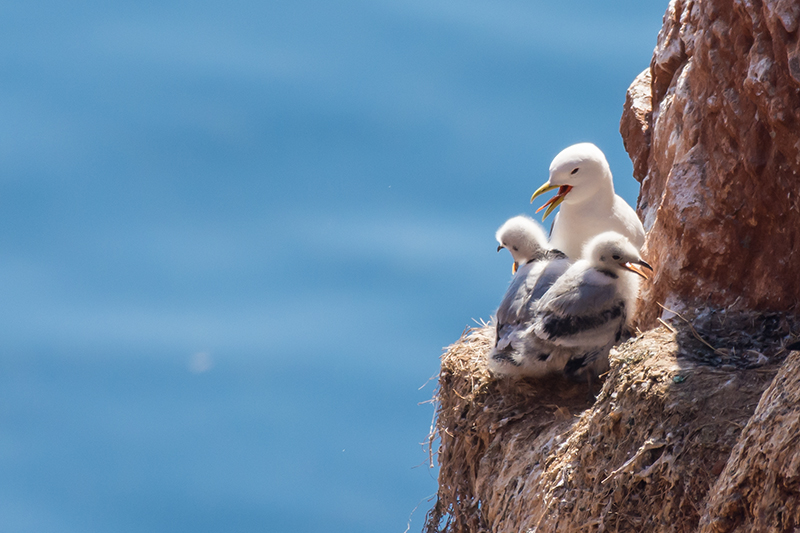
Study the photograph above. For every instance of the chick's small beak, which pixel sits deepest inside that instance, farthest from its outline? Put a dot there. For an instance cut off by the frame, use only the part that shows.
(500, 247)
(514, 267)
(637, 267)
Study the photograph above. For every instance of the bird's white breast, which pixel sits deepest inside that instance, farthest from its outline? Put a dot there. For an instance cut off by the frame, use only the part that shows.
(576, 224)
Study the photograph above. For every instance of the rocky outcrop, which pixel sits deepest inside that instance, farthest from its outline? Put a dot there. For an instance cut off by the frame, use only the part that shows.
(696, 426)
(713, 129)
(671, 438)
(759, 490)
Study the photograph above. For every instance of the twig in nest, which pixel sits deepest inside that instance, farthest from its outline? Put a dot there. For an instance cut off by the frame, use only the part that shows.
(649, 444)
(673, 330)
(694, 331)
(435, 376)
(457, 394)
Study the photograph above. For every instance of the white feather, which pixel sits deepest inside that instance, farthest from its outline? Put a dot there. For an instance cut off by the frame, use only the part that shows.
(587, 308)
(514, 353)
(591, 207)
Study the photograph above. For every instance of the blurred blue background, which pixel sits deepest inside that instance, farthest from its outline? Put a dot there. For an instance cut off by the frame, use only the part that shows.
(234, 237)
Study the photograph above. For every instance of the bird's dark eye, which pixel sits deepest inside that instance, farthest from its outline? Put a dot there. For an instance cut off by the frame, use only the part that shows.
(515, 248)
(615, 257)
(575, 170)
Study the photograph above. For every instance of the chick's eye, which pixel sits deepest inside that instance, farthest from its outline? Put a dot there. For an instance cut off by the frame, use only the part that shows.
(515, 248)
(574, 171)
(615, 257)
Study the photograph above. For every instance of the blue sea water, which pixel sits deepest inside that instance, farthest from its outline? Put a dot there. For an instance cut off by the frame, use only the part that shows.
(235, 236)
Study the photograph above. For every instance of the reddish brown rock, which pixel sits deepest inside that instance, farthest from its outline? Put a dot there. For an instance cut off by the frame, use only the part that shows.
(759, 490)
(682, 437)
(718, 154)
(668, 432)
(635, 123)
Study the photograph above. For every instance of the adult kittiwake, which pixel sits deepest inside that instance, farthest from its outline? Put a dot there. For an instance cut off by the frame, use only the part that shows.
(587, 308)
(588, 203)
(539, 268)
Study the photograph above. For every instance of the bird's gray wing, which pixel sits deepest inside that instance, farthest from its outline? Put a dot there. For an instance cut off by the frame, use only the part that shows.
(507, 312)
(575, 312)
(518, 305)
(550, 272)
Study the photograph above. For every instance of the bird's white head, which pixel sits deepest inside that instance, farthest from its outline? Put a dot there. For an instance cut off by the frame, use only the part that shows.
(611, 251)
(579, 172)
(523, 237)
(582, 166)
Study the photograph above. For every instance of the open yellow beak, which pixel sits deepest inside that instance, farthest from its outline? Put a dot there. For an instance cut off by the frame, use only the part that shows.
(543, 189)
(637, 267)
(553, 202)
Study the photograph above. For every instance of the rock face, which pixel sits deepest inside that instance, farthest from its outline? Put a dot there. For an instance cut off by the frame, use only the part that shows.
(759, 490)
(696, 426)
(681, 434)
(713, 129)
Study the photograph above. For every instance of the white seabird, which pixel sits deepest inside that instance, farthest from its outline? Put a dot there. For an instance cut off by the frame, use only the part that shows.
(523, 237)
(588, 203)
(539, 268)
(587, 308)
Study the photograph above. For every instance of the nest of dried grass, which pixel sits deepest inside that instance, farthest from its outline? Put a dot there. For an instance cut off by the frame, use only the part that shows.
(526, 455)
